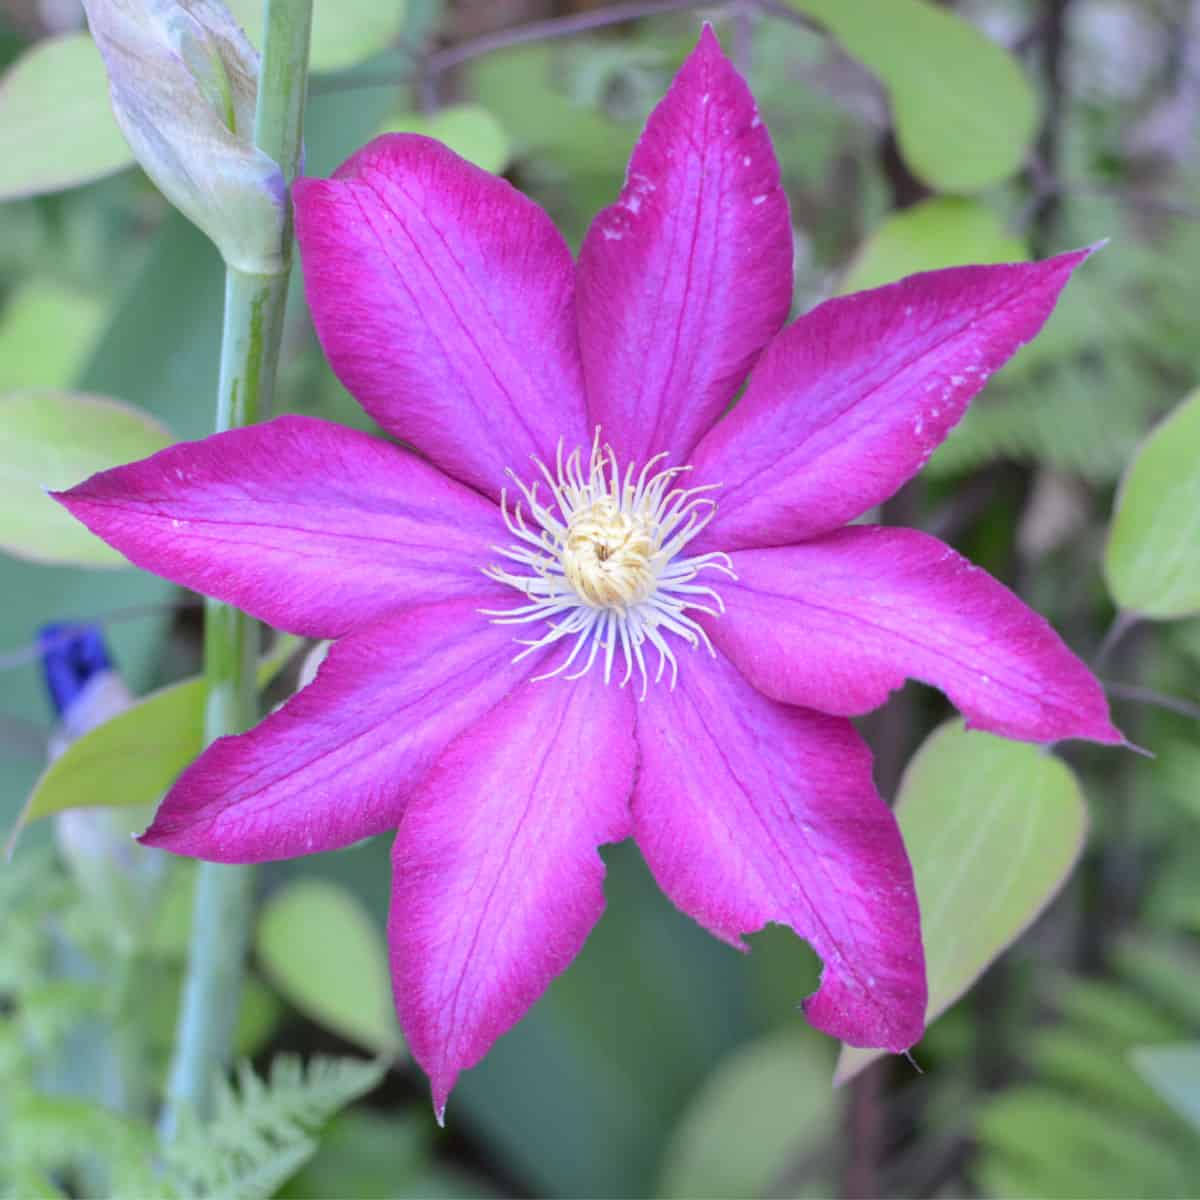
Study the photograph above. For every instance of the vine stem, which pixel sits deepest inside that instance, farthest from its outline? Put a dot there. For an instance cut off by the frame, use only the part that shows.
(1123, 622)
(250, 337)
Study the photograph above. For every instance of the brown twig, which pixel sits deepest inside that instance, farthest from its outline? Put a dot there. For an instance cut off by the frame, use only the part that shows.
(1053, 45)
(1123, 622)
(1145, 695)
(437, 62)
(743, 37)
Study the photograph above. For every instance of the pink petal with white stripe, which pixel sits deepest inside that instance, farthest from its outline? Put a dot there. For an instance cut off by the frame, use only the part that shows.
(849, 402)
(685, 279)
(497, 879)
(750, 812)
(309, 526)
(340, 759)
(444, 300)
(837, 623)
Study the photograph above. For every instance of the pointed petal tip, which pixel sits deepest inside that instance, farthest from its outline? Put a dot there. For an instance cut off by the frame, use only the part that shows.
(173, 840)
(1072, 259)
(1114, 737)
(1133, 747)
(1103, 732)
(709, 51)
(441, 1083)
(665, 351)
(152, 837)
(69, 497)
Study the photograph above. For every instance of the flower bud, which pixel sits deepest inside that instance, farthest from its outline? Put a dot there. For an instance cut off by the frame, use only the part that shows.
(120, 878)
(183, 79)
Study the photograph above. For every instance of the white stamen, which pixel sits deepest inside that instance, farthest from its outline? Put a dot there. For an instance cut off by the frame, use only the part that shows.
(600, 564)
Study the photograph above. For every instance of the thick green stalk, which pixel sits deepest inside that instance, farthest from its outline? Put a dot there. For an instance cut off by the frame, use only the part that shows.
(250, 338)
(279, 113)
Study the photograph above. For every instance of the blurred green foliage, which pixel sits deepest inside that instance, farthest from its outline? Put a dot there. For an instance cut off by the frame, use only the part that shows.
(662, 1063)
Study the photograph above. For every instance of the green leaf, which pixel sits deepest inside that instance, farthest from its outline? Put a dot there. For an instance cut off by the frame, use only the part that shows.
(47, 333)
(945, 231)
(55, 440)
(964, 112)
(56, 127)
(765, 1108)
(468, 129)
(524, 88)
(371, 1156)
(610, 1055)
(344, 32)
(1151, 563)
(1071, 1058)
(993, 829)
(136, 756)
(1113, 1014)
(323, 951)
(1173, 1072)
(142, 358)
(1076, 1149)
(259, 1014)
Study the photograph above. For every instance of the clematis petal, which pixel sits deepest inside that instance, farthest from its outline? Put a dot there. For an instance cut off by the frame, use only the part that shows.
(749, 812)
(837, 623)
(445, 303)
(849, 402)
(339, 760)
(497, 881)
(685, 279)
(312, 527)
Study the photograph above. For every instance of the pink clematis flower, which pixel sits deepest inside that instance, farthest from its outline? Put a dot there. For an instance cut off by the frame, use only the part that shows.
(550, 638)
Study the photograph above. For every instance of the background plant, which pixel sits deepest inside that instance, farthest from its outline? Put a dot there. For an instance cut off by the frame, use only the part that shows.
(661, 1064)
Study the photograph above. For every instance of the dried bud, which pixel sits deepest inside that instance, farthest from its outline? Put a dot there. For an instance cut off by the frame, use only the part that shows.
(183, 79)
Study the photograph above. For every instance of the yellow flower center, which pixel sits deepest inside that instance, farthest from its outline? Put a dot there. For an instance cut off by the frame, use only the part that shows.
(601, 565)
(607, 555)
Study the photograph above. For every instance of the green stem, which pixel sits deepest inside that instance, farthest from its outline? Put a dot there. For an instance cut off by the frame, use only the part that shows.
(279, 113)
(250, 339)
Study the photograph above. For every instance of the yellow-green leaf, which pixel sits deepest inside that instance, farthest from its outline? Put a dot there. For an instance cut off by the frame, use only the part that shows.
(56, 127)
(1152, 562)
(47, 334)
(764, 1107)
(965, 114)
(344, 32)
(55, 440)
(134, 757)
(322, 950)
(945, 231)
(993, 829)
(468, 129)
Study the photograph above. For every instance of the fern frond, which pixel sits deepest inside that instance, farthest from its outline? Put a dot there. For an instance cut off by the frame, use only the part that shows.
(47, 1134)
(1090, 1126)
(262, 1133)
(1072, 417)
(1115, 352)
(20, 1183)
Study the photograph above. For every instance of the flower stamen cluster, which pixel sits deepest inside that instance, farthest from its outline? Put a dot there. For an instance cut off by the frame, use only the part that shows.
(603, 562)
